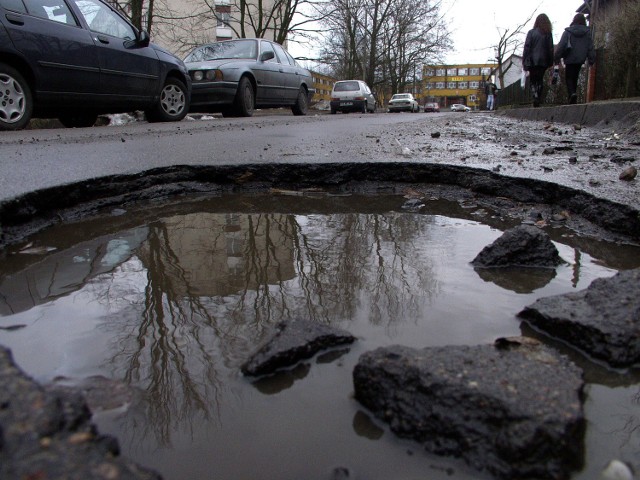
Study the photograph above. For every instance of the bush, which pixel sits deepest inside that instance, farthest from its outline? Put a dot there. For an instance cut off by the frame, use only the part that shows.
(622, 51)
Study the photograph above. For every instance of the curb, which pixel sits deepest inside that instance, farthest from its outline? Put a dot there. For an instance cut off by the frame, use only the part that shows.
(619, 114)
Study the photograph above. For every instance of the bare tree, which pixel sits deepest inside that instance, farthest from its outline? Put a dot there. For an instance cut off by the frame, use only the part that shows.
(509, 42)
(383, 42)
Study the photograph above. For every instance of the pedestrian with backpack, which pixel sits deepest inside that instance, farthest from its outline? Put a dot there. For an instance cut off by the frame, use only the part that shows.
(574, 48)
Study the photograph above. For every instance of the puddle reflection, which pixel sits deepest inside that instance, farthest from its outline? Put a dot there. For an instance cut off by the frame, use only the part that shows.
(172, 302)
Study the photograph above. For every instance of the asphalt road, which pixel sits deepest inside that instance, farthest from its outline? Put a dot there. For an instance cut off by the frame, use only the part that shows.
(581, 158)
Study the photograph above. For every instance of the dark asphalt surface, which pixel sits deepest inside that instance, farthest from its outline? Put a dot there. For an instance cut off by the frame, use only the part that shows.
(586, 158)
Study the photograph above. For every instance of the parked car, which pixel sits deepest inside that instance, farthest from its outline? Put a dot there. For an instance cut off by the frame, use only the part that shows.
(352, 96)
(403, 102)
(237, 76)
(431, 107)
(458, 107)
(76, 59)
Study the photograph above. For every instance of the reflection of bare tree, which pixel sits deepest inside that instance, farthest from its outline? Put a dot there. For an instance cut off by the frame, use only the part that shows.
(214, 284)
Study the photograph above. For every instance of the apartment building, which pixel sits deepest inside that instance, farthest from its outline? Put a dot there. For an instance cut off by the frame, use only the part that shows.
(323, 85)
(180, 25)
(449, 84)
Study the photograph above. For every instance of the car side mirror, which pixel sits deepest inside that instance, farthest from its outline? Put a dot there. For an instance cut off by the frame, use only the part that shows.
(267, 56)
(143, 39)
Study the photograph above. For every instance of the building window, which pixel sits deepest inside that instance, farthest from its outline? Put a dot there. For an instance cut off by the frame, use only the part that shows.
(474, 84)
(472, 98)
(223, 19)
(462, 71)
(430, 72)
(439, 84)
(452, 71)
(463, 85)
(486, 71)
(474, 71)
(451, 85)
(441, 72)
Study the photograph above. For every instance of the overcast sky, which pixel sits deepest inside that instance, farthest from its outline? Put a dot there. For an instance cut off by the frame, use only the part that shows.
(474, 23)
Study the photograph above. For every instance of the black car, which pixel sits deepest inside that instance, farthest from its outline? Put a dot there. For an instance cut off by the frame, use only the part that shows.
(76, 59)
(237, 76)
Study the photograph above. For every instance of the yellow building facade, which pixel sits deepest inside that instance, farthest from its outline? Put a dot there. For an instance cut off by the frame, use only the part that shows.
(449, 84)
(323, 85)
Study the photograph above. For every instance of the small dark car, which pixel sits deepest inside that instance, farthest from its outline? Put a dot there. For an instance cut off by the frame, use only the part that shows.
(431, 107)
(235, 77)
(76, 59)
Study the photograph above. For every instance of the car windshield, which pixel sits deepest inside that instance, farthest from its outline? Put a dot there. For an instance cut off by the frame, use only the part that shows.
(400, 96)
(346, 87)
(241, 49)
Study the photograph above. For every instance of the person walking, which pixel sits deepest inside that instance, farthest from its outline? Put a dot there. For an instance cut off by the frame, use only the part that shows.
(537, 55)
(490, 90)
(574, 48)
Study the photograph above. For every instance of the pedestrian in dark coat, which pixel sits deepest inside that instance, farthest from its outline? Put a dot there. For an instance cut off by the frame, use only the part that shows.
(574, 48)
(537, 55)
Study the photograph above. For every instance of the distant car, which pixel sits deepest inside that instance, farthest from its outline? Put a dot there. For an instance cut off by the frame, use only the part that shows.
(403, 102)
(458, 107)
(352, 96)
(235, 77)
(431, 107)
(76, 59)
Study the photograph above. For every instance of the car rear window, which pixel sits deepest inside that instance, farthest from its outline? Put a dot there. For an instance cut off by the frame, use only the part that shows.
(346, 87)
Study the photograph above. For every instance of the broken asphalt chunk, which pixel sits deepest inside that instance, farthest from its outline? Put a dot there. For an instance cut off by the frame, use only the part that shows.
(513, 409)
(603, 320)
(524, 245)
(291, 342)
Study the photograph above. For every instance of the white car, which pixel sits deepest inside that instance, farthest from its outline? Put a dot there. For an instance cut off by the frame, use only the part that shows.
(403, 102)
(458, 107)
(352, 96)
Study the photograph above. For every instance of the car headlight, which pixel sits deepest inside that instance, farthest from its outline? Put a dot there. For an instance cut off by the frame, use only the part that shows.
(209, 75)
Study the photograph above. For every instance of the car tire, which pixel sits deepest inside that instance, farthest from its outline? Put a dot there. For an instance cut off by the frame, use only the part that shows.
(301, 106)
(244, 103)
(78, 119)
(173, 104)
(333, 111)
(16, 100)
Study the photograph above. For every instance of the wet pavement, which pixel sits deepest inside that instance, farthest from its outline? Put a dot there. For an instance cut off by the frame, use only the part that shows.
(589, 158)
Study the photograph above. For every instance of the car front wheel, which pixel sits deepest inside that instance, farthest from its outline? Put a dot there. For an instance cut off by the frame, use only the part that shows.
(244, 103)
(16, 101)
(173, 104)
(301, 106)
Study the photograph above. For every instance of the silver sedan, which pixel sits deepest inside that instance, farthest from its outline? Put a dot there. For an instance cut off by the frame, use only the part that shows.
(237, 76)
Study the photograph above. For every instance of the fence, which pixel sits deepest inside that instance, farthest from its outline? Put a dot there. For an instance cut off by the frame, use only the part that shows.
(515, 96)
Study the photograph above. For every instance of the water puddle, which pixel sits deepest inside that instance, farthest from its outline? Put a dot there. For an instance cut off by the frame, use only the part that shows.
(169, 301)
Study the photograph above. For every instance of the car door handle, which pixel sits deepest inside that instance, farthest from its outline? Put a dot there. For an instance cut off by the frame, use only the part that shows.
(15, 19)
(102, 39)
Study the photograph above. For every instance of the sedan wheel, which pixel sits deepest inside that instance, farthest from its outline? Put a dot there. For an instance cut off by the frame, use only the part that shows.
(245, 98)
(16, 102)
(301, 106)
(173, 104)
